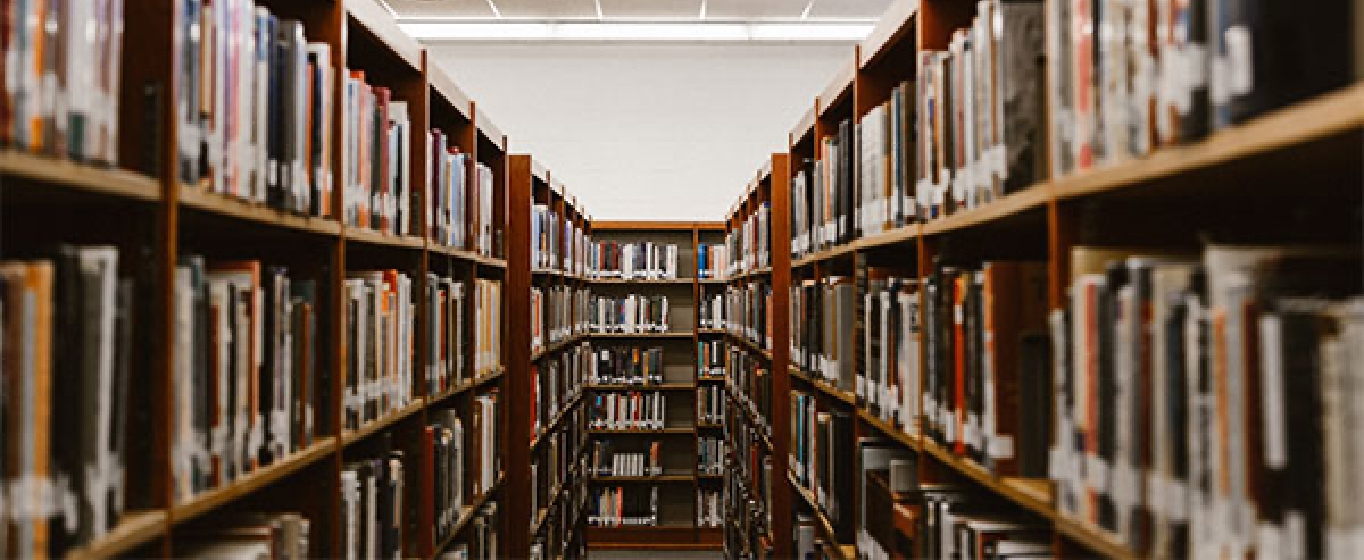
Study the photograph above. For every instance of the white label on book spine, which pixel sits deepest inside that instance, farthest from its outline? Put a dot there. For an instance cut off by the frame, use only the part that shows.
(1001, 447)
(1269, 541)
(1096, 472)
(1240, 60)
(1295, 536)
(1271, 372)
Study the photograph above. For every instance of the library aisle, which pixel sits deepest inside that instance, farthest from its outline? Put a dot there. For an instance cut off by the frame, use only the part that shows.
(1025, 279)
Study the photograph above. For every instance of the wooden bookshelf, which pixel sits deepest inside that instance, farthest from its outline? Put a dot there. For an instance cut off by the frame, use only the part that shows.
(181, 219)
(1235, 178)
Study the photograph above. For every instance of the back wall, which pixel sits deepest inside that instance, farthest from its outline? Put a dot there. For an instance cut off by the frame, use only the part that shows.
(646, 131)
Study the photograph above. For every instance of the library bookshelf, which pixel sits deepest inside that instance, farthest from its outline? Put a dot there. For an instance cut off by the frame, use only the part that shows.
(678, 524)
(1226, 186)
(143, 207)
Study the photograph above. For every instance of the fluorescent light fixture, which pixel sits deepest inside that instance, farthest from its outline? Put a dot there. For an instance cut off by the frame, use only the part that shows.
(641, 32)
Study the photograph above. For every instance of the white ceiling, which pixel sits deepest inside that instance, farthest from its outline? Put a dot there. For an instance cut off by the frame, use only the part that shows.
(672, 10)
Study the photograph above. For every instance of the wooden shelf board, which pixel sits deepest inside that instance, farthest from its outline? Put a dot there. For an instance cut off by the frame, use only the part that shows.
(1013, 204)
(671, 334)
(661, 225)
(751, 346)
(641, 281)
(628, 387)
(206, 501)
(381, 424)
(133, 529)
(485, 126)
(553, 424)
(484, 377)
(466, 514)
(821, 519)
(711, 331)
(1318, 118)
(826, 254)
(892, 27)
(380, 23)
(640, 431)
(444, 86)
(888, 429)
(712, 281)
(710, 426)
(371, 237)
(804, 126)
(92, 179)
(894, 236)
(557, 346)
(823, 386)
(222, 205)
(461, 254)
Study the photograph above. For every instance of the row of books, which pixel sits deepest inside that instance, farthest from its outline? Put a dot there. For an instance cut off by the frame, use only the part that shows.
(958, 522)
(444, 443)
(749, 311)
(640, 260)
(546, 238)
(555, 382)
(627, 365)
(252, 382)
(67, 328)
(748, 480)
(557, 312)
(62, 72)
(1201, 65)
(710, 357)
(711, 259)
(487, 327)
(980, 109)
(710, 404)
(987, 354)
(446, 345)
(710, 455)
(380, 324)
(460, 210)
(623, 506)
(822, 459)
(276, 536)
(710, 311)
(372, 505)
(822, 320)
(562, 458)
(709, 513)
(485, 443)
(254, 109)
(885, 173)
(630, 313)
(749, 245)
(622, 410)
(888, 383)
(750, 381)
(607, 459)
(483, 537)
(377, 154)
(1195, 392)
(823, 193)
(887, 477)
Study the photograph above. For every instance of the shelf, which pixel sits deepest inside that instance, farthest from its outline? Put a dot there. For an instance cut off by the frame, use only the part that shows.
(462, 254)
(371, 237)
(639, 431)
(710, 426)
(711, 331)
(379, 425)
(1008, 206)
(195, 198)
(839, 89)
(554, 423)
(890, 29)
(755, 273)
(712, 281)
(73, 176)
(683, 334)
(820, 518)
(751, 346)
(823, 386)
(484, 377)
(134, 529)
(888, 429)
(557, 346)
(1315, 119)
(640, 281)
(444, 86)
(628, 387)
(380, 23)
(205, 501)
(466, 514)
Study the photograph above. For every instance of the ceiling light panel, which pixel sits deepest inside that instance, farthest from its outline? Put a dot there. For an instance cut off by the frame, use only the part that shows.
(519, 30)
